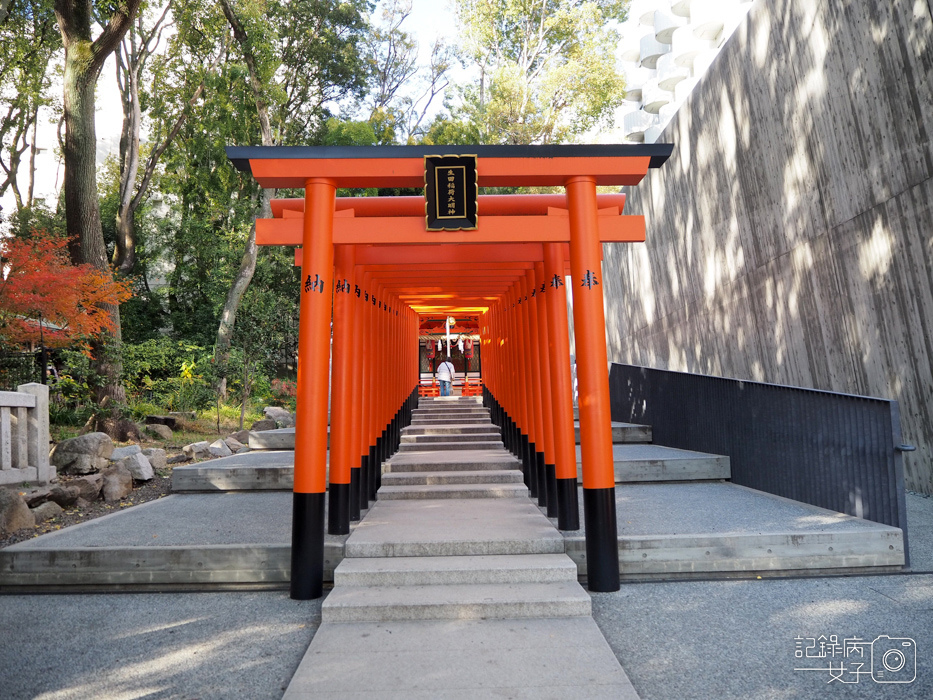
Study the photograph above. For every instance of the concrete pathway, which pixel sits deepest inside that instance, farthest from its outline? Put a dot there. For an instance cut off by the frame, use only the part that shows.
(456, 585)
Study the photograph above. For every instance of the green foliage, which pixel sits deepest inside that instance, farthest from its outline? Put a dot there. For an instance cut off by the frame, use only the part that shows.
(71, 397)
(547, 70)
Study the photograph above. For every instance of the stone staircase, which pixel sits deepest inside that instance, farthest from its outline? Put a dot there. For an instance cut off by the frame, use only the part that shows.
(461, 571)
(455, 584)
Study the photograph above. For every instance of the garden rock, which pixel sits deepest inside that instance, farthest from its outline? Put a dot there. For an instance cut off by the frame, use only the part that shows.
(156, 457)
(37, 497)
(169, 422)
(84, 454)
(88, 486)
(138, 466)
(241, 436)
(264, 424)
(282, 418)
(233, 444)
(244, 450)
(121, 453)
(65, 496)
(118, 482)
(14, 513)
(47, 511)
(219, 448)
(178, 459)
(163, 432)
(197, 450)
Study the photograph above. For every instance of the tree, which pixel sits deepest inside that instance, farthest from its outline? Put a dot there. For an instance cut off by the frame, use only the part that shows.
(84, 60)
(546, 68)
(401, 91)
(42, 294)
(28, 42)
(291, 77)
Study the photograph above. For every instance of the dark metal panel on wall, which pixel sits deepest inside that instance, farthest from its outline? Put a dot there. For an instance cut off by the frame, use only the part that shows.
(835, 451)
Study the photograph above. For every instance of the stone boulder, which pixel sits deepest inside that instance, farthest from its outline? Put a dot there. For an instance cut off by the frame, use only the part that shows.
(121, 453)
(156, 457)
(178, 459)
(88, 486)
(233, 444)
(138, 466)
(219, 448)
(117, 483)
(197, 450)
(64, 496)
(47, 511)
(282, 418)
(84, 454)
(162, 432)
(264, 424)
(241, 436)
(14, 513)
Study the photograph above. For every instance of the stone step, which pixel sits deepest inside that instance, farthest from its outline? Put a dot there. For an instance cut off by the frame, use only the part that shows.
(622, 432)
(450, 429)
(450, 400)
(475, 411)
(450, 445)
(455, 602)
(639, 463)
(436, 478)
(485, 436)
(422, 571)
(457, 420)
(453, 527)
(437, 491)
(451, 460)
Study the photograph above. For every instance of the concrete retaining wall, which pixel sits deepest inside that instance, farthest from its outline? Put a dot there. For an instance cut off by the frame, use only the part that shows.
(790, 235)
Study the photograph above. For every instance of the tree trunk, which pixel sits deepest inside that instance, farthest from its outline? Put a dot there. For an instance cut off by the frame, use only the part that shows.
(248, 263)
(84, 60)
(124, 254)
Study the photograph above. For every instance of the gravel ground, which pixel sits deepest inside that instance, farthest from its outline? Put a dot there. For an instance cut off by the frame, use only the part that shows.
(143, 491)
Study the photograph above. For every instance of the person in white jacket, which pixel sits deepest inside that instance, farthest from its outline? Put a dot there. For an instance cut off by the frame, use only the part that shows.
(445, 375)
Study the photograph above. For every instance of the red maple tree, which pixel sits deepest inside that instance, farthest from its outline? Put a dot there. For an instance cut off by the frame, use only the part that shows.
(42, 293)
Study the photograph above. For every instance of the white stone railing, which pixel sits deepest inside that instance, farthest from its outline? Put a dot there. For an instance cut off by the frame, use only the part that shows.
(24, 435)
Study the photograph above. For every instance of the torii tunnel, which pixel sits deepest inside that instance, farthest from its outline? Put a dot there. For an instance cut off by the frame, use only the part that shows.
(370, 268)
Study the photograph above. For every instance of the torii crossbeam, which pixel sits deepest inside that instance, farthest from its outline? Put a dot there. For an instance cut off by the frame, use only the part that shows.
(508, 270)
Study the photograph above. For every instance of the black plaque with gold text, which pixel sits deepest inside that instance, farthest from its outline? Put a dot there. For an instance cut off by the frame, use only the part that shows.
(450, 192)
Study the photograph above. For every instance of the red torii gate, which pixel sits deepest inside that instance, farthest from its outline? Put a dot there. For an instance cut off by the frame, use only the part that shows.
(380, 243)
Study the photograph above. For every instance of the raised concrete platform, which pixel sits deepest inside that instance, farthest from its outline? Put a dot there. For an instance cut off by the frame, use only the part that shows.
(272, 470)
(278, 439)
(564, 658)
(721, 529)
(180, 541)
(636, 463)
(621, 432)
